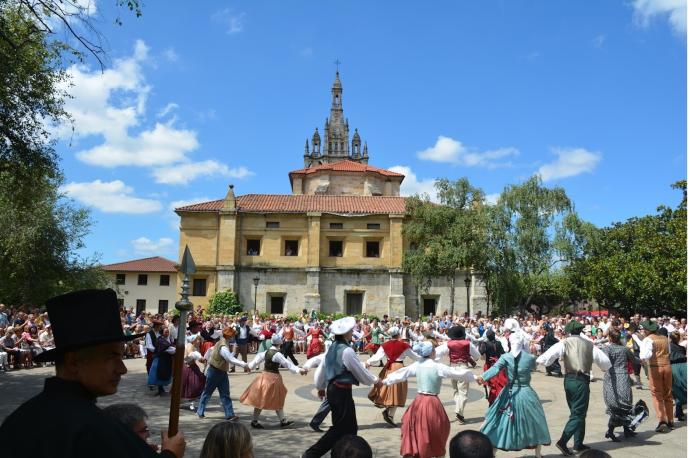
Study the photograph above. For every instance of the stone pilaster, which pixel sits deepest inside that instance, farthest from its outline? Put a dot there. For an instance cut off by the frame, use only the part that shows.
(312, 298)
(226, 278)
(396, 298)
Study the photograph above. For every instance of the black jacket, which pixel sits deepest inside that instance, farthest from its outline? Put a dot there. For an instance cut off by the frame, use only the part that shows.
(64, 421)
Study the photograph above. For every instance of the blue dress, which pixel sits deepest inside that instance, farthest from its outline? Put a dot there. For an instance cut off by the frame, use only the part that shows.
(516, 420)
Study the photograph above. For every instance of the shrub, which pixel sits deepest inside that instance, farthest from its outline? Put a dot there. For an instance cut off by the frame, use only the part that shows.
(224, 303)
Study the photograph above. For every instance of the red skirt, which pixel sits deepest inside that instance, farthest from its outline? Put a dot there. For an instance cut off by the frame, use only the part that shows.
(496, 383)
(205, 346)
(425, 428)
(193, 381)
(372, 347)
(314, 347)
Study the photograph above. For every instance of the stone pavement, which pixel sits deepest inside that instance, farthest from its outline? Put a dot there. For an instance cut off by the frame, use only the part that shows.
(301, 403)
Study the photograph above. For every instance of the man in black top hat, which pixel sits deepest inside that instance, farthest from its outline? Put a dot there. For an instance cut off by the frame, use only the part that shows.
(88, 364)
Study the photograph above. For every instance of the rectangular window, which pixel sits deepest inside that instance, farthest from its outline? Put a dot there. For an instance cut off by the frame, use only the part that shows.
(165, 280)
(376, 226)
(335, 248)
(272, 224)
(120, 279)
(142, 279)
(162, 306)
(141, 305)
(199, 287)
(336, 225)
(291, 247)
(372, 249)
(353, 303)
(253, 247)
(277, 303)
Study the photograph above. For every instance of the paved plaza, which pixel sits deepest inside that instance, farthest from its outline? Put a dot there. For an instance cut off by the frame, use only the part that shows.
(18, 386)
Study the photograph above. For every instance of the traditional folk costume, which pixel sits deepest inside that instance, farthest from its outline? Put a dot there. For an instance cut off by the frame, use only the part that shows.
(376, 336)
(425, 424)
(341, 370)
(462, 354)
(150, 344)
(516, 421)
(193, 380)
(264, 340)
(492, 351)
(288, 346)
(390, 398)
(268, 391)
(679, 371)
(578, 354)
(547, 342)
(160, 374)
(655, 349)
(324, 409)
(219, 359)
(315, 346)
(618, 391)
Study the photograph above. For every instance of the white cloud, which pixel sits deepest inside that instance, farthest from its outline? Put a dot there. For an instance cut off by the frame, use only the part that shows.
(169, 108)
(144, 245)
(110, 197)
(174, 219)
(451, 151)
(171, 55)
(570, 162)
(234, 22)
(186, 172)
(676, 10)
(411, 185)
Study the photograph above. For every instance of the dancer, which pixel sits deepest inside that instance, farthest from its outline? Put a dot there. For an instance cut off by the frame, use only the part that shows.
(160, 374)
(268, 391)
(492, 351)
(193, 380)
(655, 349)
(324, 409)
(395, 351)
(425, 424)
(219, 359)
(578, 354)
(375, 337)
(287, 349)
(679, 370)
(462, 354)
(315, 347)
(516, 420)
(150, 343)
(341, 370)
(547, 342)
(617, 390)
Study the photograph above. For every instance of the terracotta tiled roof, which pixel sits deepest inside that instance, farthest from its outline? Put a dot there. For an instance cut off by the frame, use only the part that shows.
(279, 203)
(346, 166)
(154, 264)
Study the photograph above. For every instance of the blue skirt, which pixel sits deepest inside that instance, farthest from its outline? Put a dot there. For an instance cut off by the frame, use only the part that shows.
(153, 378)
(516, 422)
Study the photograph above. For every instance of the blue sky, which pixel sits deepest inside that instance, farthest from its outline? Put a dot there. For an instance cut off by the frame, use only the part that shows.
(590, 94)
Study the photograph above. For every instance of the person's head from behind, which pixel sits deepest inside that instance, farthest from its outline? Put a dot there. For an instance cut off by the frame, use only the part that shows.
(351, 446)
(97, 368)
(130, 415)
(593, 453)
(470, 444)
(228, 440)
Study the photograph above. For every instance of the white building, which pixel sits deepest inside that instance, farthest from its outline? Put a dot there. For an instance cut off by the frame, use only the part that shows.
(145, 284)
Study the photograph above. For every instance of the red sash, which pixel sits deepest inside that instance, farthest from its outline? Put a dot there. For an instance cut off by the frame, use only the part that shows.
(393, 349)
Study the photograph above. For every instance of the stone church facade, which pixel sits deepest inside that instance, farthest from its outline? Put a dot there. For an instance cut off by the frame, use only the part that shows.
(334, 244)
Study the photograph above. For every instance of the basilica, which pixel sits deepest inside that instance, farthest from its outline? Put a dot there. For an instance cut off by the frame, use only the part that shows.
(335, 244)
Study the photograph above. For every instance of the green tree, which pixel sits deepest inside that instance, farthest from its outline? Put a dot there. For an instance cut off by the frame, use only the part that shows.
(639, 265)
(533, 232)
(445, 238)
(224, 303)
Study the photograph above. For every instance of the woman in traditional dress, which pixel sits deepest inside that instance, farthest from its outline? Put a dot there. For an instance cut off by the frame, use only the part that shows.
(617, 389)
(193, 380)
(425, 425)
(268, 391)
(492, 351)
(265, 338)
(315, 344)
(679, 371)
(516, 421)
(161, 366)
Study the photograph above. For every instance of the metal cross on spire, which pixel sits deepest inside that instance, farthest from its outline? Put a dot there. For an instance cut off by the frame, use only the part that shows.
(337, 64)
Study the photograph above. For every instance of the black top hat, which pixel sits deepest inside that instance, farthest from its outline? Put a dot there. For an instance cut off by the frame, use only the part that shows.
(68, 311)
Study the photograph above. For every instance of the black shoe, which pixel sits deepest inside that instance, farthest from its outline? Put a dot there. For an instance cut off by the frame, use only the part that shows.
(627, 432)
(233, 418)
(315, 428)
(581, 448)
(610, 435)
(662, 428)
(680, 416)
(670, 425)
(559, 375)
(565, 451)
(256, 425)
(285, 423)
(387, 418)
(460, 418)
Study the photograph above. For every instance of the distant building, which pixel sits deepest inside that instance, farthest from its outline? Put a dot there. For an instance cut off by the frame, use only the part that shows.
(145, 284)
(335, 244)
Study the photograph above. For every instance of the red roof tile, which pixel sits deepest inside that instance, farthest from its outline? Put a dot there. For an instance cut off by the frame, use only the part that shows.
(346, 166)
(154, 264)
(281, 203)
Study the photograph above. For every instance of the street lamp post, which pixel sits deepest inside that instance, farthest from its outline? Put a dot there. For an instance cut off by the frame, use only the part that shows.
(256, 286)
(468, 281)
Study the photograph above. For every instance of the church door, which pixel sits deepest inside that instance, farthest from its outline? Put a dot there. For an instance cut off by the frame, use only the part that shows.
(353, 304)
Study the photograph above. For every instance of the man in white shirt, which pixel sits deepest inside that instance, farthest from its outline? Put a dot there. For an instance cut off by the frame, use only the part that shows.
(578, 354)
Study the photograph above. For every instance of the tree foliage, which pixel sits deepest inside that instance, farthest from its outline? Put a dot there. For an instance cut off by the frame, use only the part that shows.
(224, 303)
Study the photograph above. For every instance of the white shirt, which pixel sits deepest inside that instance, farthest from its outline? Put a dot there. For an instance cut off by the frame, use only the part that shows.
(442, 350)
(277, 358)
(149, 345)
(558, 350)
(380, 354)
(647, 347)
(352, 364)
(443, 371)
(226, 355)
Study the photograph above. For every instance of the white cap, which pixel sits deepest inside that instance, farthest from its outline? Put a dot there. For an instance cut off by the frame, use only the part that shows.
(276, 339)
(342, 326)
